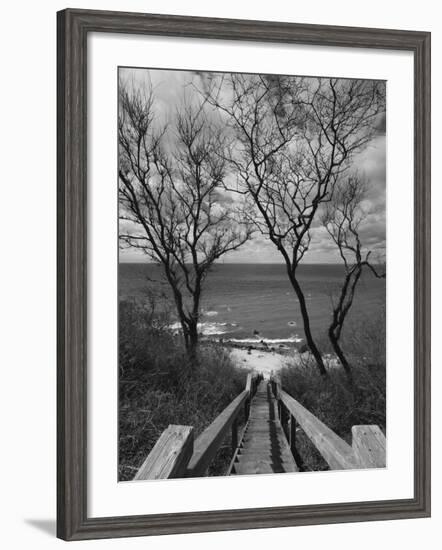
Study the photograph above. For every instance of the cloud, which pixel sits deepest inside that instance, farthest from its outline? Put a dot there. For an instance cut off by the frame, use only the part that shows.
(168, 86)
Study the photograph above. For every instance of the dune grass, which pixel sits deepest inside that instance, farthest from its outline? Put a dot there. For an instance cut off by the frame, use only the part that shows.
(336, 403)
(158, 385)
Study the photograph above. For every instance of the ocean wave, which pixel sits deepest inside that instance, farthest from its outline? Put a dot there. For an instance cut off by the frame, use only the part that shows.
(210, 313)
(268, 341)
(212, 329)
(206, 329)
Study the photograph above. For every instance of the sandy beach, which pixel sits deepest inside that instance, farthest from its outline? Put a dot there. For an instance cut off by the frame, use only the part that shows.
(266, 362)
(270, 362)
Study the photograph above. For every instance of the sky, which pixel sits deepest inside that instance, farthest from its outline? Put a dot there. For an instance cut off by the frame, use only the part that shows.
(168, 89)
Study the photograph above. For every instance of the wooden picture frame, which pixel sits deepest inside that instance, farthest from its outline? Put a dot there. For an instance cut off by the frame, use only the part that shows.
(73, 28)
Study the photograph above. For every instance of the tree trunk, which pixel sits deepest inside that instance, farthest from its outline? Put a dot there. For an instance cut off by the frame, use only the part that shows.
(192, 343)
(340, 354)
(306, 320)
(190, 333)
(339, 315)
(189, 324)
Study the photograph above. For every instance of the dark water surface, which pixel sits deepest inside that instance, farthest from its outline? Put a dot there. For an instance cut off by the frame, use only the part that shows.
(242, 299)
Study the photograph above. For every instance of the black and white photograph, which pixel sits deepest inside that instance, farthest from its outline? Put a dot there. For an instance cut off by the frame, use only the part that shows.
(220, 237)
(252, 273)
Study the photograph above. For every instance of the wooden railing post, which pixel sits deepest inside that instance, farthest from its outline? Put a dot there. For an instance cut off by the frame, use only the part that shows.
(249, 389)
(234, 435)
(249, 382)
(276, 388)
(284, 419)
(292, 435)
(369, 446)
(170, 456)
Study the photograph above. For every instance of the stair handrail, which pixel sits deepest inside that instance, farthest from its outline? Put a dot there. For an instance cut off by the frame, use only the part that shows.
(209, 442)
(368, 449)
(175, 453)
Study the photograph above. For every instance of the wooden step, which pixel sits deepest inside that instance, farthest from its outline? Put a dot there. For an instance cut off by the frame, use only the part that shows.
(249, 467)
(272, 450)
(264, 455)
(258, 433)
(264, 432)
(264, 447)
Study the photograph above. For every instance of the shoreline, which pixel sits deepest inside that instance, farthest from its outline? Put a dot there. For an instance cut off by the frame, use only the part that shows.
(260, 356)
(282, 346)
(261, 361)
(268, 360)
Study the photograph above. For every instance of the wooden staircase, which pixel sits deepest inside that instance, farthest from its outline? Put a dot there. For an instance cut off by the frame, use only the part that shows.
(263, 448)
(267, 443)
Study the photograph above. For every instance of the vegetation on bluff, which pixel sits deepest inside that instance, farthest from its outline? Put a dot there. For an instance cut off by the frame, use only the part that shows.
(158, 386)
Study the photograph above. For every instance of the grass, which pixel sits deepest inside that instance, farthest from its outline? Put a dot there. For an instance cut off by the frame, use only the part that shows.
(158, 386)
(332, 400)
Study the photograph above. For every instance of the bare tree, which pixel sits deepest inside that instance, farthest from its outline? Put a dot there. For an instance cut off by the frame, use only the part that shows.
(294, 138)
(171, 198)
(342, 219)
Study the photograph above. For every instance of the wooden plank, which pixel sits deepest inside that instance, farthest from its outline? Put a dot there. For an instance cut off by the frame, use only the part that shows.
(336, 452)
(369, 446)
(264, 467)
(249, 382)
(276, 386)
(265, 455)
(262, 441)
(251, 469)
(249, 389)
(255, 421)
(264, 448)
(265, 430)
(170, 455)
(261, 445)
(292, 434)
(208, 443)
(234, 434)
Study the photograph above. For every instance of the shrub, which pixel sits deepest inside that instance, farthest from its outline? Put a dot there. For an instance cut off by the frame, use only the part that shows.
(336, 403)
(158, 385)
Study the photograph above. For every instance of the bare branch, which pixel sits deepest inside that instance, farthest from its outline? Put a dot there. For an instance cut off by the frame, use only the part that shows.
(171, 194)
(294, 138)
(342, 220)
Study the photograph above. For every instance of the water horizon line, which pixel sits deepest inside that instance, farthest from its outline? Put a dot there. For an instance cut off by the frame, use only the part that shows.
(230, 263)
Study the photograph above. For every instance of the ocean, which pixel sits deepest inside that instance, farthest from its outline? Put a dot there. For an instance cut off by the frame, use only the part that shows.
(250, 302)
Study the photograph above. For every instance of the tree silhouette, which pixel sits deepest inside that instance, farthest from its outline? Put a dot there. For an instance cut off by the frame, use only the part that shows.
(293, 140)
(171, 197)
(342, 219)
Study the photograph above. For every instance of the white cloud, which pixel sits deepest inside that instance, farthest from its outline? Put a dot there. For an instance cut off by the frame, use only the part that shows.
(168, 88)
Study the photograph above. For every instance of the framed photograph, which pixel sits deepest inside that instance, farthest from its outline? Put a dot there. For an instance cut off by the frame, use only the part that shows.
(243, 274)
